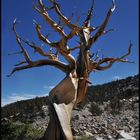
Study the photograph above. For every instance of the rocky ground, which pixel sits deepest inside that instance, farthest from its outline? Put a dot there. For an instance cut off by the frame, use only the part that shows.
(110, 124)
(100, 122)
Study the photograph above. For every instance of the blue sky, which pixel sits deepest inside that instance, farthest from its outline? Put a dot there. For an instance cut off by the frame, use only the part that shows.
(39, 81)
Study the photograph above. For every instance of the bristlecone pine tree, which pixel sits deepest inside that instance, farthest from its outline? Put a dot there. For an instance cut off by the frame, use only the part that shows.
(72, 89)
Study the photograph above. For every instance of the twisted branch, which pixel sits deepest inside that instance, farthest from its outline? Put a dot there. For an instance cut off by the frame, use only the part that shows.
(89, 15)
(64, 19)
(110, 60)
(26, 56)
(51, 61)
(103, 26)
(49, 20)
(38, 63)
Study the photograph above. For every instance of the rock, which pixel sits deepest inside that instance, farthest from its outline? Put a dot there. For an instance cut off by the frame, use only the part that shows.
(74, 131)
(109, 137)
(83, 128)
(88, 134)
(123, 135)
(4, 119)
(103, 130)
(99, 138)
(126, 128)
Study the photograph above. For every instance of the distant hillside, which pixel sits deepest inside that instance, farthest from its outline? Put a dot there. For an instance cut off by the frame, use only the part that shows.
(30, 106)
(110, 112)
(124, 88)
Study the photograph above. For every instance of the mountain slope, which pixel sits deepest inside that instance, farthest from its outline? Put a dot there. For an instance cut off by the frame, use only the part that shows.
(110, 112)
(124, 88)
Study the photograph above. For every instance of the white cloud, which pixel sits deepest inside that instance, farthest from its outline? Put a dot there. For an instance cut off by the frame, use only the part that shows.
(116, 77)
(14, 97)
(48, 87)
(5, 102)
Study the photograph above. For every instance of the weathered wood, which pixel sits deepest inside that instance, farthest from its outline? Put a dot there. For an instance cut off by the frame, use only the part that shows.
(62, 100)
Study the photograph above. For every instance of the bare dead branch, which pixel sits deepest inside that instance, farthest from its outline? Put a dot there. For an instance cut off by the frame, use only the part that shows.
(64, 19)
(89, 15)
(36, 48)
(41, 37)
(77, 47)
(93, 28)
(110, 30)
(27, 58)
(129, 50)
(104, 67)
(103, 26)
(38, 63)
(35, 7)
(49, 8)
(70, 18)
(110, 60)
(96, 57)
(61, 46)
(77, 20)
(49, 20)
(71, 34)
(75, 31)
(92, 55)
(20, 63)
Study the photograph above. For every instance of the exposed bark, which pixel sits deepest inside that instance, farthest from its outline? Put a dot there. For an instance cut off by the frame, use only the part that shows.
(72, 89)
(62, 100)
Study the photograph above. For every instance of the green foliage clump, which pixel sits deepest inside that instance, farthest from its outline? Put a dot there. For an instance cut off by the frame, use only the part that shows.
(115, 104)
(11, 131)
(105, 92)
(30, 106)
(84, 137)
(95, 109)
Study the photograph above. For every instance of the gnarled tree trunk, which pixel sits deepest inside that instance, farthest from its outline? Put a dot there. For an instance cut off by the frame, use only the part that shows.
(62, 99)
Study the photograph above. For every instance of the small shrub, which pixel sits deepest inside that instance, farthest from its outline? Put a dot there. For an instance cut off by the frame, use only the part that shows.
(82, 105)
(11, 131)
(115, 105)
(95, 109)
(83, 138)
